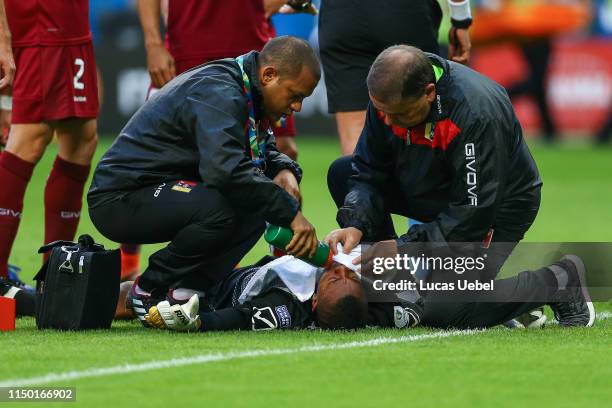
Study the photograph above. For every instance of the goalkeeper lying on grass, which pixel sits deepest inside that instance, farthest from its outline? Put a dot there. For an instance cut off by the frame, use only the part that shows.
(286, 293)
(283, 293)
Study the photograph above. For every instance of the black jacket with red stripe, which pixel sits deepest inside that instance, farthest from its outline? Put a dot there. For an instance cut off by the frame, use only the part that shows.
(464, 171)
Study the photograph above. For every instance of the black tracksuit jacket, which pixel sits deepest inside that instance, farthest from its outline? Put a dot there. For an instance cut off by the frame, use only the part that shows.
(194, 128)
(464, 172)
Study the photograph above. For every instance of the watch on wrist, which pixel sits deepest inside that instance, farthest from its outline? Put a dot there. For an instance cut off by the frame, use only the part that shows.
(299, 5)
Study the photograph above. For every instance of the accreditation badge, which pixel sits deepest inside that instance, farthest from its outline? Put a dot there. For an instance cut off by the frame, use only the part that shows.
(184, 186)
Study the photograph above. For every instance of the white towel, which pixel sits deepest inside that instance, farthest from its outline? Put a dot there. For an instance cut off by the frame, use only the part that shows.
(300, 277)
(347, 259)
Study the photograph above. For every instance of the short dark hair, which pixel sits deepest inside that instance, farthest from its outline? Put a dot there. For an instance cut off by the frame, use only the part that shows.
(289, 55)
(349, 313)
(399, 72)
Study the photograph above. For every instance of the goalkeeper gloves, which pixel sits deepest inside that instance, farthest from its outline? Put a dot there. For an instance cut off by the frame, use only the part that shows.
(175, 317)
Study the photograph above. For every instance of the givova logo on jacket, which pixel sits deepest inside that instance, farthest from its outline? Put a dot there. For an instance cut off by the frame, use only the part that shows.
(470, 165)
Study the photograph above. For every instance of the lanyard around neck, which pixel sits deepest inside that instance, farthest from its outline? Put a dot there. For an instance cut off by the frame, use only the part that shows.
(438, 72)
(257, 147)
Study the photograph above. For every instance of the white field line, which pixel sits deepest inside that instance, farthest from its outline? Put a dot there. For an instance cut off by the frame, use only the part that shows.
(209, 358)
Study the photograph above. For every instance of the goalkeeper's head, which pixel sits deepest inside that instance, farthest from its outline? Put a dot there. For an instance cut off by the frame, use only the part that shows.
(340, 301)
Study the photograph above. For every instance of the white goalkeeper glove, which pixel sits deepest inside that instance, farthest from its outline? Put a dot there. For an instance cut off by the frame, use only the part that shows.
(175, 317)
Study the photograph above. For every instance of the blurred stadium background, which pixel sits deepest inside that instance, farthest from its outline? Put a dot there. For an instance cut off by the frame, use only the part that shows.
(578, 81)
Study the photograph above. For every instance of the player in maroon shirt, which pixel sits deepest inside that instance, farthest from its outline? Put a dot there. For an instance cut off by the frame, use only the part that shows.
(7, 74)
(54, 92)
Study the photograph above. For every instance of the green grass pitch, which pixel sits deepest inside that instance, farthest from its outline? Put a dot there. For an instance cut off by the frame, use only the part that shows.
(131, 366)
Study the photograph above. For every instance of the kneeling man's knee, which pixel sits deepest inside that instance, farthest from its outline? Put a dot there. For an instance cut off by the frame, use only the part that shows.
(337, 179)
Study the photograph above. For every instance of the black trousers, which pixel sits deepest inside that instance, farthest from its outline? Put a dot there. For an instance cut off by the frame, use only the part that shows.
(510, 298)
(353, 32)
(207, 236)
(537, 55)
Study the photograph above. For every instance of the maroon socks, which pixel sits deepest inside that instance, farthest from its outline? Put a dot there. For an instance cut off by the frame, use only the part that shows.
(15, 174)
(64, 199)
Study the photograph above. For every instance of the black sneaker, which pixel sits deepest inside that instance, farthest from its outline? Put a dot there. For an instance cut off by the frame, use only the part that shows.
(24, 299)
(574, 307)
(13, 278)
(141, 303)
(6, 288)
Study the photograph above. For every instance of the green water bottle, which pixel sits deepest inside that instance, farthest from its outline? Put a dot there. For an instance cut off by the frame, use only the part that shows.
(280, 237)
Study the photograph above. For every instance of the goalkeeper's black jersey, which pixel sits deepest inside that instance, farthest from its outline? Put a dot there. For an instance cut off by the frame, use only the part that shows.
(277, 308)
(274, 308)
